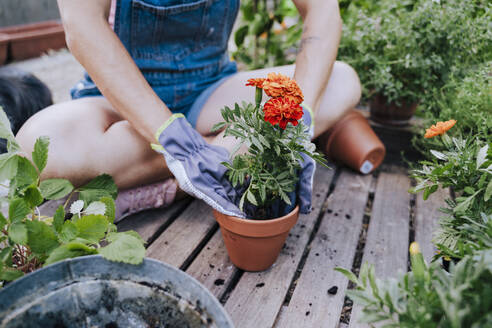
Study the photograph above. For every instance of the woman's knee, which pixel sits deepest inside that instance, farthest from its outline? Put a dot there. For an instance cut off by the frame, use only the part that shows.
(347, 77)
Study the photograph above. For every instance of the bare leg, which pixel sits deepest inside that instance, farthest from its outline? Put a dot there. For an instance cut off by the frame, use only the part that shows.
(341, 95)
(87, 138)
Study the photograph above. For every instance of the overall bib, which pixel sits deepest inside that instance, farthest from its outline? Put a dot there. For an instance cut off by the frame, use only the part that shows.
(180, 46)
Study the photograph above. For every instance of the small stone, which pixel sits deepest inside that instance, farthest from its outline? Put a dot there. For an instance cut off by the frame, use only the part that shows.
(307, 313)
(261, 284)
(347, 216)
(333, 290)
(219, 282)
(317, 254)
(329, 211)
(211, 266)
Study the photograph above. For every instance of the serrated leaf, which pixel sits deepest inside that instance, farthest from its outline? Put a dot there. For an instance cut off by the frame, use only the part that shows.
(284, 197)
(68, 232)
(18, 210)
(33, 196)
(9, 274)
(76, 207)
(26, 173)
(18, 233)
(40, 237)
(6, 255)
(123, 248)
(59, 218)
(102, 185)
(40, 152)
(110, 208)
(69, 250)
(92, 227)
(8, 166)
(55, 188)
(95, 208)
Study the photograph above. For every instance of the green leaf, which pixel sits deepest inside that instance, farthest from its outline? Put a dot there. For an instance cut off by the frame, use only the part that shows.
(18, 210)
(33, 196)
(5, 128)
(240, 35)
(55, 188)
(123, 248)
(26, 173)
(40, 152)
(284, 197)
(217, 127)
(482, 156)
(68, 232)
(372, 317)
(360, 297)
(95, 208)
(349, 275)
(110, 208)
(429, 190)
(251, 198)
(9, 274)
(488, 192)
(59, 218)
(18, 233)
(3, 221)
(40, 237)
(8, 166)
(69, 250)
(438, 155)
(101, 186)
(92, 227)
(6, 255)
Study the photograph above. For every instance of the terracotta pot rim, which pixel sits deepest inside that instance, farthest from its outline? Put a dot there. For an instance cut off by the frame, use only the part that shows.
(21, 28)
(37, 34)
(339, 125)
(4, 38)
(258, 228)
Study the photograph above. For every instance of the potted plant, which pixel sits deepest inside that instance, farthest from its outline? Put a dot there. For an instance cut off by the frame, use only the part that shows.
(404, 50)
(32, 240)
(267, 172)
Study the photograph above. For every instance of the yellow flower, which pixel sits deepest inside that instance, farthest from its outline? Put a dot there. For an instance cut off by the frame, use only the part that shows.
(414, 248)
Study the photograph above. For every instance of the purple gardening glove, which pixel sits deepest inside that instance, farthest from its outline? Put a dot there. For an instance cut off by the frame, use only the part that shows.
(308, 166)
(196, 165)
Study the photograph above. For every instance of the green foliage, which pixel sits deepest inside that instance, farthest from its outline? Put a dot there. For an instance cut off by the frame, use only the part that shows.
(428, 296)
(32, 240)
(270, 167)
(466, 166)
(263, 38)
(405, 49)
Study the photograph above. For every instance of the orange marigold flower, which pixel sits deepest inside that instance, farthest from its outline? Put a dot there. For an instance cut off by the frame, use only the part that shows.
(439, 128)
(282, 111)
(256, 82)
(279, 85)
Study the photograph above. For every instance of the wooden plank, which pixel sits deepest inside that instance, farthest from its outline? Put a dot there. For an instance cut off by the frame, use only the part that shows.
(150, 223)
(334, 245)
(257, 298)
(387, 237)
(184, 235)
(426, 216)
(212, 266)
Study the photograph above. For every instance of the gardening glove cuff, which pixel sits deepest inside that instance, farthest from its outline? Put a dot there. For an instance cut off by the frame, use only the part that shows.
(196, 165)
(305, 184)
(308, 118)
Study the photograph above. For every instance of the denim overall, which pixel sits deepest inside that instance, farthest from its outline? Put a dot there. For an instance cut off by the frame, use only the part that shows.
(180, 47)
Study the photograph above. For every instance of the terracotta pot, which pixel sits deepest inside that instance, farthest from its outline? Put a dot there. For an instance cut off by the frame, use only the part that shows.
(254, 245)
(4, 43)
(353, 142)
(390, 113)
(32, 40)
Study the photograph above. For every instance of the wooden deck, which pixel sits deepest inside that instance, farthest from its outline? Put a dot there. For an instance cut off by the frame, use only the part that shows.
(355, 219)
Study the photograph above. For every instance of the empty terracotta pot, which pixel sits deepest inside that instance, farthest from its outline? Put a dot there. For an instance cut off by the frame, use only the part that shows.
(353, 142)
(4, 43)
(254, 245)
(390, 113)
(32, 40)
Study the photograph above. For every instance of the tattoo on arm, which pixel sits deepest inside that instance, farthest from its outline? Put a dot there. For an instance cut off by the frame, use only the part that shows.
(307, 40)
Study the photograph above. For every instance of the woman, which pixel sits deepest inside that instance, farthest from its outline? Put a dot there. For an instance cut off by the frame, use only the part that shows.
(167, 56)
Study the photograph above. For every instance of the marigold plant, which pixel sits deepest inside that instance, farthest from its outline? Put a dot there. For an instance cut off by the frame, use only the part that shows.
(276, 137)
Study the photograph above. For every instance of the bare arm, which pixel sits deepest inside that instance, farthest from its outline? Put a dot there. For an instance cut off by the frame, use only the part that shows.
(319, 45)
(95, 45)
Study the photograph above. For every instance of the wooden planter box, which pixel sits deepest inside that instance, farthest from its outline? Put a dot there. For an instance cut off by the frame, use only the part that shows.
(4, 43)
(32, 40)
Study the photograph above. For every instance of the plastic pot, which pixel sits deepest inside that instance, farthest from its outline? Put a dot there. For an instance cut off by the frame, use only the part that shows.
(392, 114)
(90, 291)
(4, 44)
(254, 245)
(32, 40)
(354, 143)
